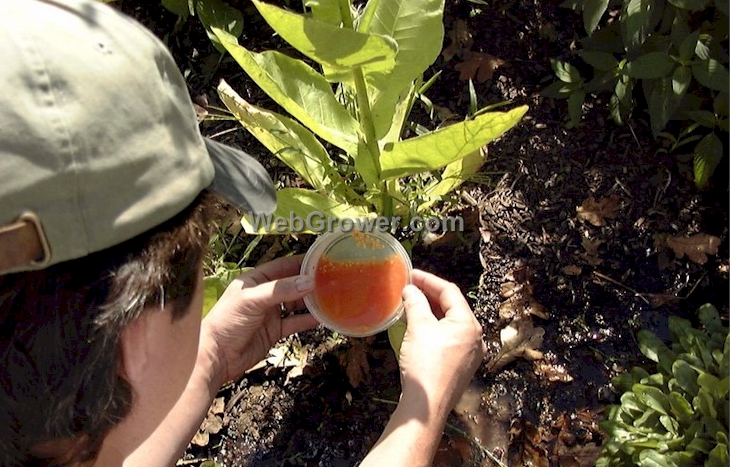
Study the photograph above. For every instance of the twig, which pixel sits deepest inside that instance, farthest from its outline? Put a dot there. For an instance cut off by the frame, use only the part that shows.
(199, 460)
(614, 281)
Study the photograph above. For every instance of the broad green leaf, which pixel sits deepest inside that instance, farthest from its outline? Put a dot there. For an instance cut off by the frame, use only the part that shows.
(630, 402)
(216, 284)
(714, 428)
(637, 21)
(662, 104)
(703, 117)
(648, 420)
(365, 165)
(303, 211)
(559, 90)
(330, 45)
(688, 45)
(300, 90)
(711, 74)
(712, 385)
(651, 458)
(693, 5)
(669, 424)
(704, 404)
(436, 149)
(286, 139)
(710, 318)
(592, 12)
(686, 377)
(575, 107)
(721, 103)
(565, 72)
(417, 27)
(700, 445)
(182, 8)
(680, 407)
(652, 397)
(453, 176)
(681, 79)
(718, 457)
(395, 336)
(217, 14)
(650, 66)
(707, 156)
(327, 11)
(599, 60)
(650, 345)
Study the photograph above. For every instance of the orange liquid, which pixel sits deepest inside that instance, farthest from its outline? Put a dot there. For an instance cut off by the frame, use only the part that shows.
(359, 295)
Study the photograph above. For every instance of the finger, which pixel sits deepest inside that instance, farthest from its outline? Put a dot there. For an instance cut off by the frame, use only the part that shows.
(298, 323)
(272, 270)
(272, 293)
(443, 292)
(418, 311)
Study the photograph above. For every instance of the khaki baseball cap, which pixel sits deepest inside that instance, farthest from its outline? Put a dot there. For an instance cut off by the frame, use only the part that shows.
(99, 141)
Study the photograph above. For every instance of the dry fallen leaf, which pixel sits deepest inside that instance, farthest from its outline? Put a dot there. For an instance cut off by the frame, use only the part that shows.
(356, 362)
(212, 424)
(696, 247)
(552, 372)
(478, 66)
(460, 40)
(596, 212)
(591, 251)
(572, 270)
(519, 340)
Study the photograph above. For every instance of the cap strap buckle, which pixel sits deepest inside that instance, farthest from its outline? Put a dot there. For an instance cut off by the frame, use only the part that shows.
(23, 244)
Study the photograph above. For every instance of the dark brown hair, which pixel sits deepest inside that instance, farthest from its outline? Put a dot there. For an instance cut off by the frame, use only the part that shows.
(60, 384)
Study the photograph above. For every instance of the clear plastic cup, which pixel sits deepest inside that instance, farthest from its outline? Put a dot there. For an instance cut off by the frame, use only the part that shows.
(358, 277)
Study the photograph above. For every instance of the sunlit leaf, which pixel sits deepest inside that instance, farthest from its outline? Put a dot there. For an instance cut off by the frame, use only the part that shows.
(711, 74)
(592, 12)
(313, 209)
(707, 156)
(435, 150)
(288, 140)
(417, 27)
(299, 89)
(328, 44)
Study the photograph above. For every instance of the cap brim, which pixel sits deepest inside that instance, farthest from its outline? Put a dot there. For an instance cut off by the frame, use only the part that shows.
(241, 179)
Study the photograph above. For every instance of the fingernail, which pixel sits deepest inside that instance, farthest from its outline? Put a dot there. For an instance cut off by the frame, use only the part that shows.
(304, 283)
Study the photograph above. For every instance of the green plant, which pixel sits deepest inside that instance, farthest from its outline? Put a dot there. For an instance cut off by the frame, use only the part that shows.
(671, 52)
(679, 415)
(369, 72)
(212, 13)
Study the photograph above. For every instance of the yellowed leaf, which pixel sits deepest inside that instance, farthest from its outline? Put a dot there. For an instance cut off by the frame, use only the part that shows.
(596, 212)
(695, 247)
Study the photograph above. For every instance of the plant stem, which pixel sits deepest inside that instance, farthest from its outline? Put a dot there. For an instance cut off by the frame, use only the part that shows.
(365, 116)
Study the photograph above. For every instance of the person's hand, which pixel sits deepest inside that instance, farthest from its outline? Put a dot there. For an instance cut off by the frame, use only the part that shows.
(442, 346)
(246, 321)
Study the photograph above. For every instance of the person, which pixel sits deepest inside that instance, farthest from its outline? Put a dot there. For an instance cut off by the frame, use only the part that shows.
(107, 191)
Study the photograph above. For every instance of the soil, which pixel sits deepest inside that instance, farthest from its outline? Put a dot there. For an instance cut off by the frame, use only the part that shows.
(591, 288)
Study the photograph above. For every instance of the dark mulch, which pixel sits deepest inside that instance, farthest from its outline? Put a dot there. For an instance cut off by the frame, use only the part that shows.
(598, 285)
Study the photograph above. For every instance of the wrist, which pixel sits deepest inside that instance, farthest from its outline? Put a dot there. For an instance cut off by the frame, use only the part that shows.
(209, 365)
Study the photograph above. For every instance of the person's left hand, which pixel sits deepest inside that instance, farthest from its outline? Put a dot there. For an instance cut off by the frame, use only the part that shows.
(246, 321)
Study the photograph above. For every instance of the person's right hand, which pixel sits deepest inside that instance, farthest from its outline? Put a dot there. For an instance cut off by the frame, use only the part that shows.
(442, 346)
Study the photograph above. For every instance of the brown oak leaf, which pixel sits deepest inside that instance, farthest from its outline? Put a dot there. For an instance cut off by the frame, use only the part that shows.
(519, 340)
(696, 247)
(460, 40)
(596, 212)
(478, 66)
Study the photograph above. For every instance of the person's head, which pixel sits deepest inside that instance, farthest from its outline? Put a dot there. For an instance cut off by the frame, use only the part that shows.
(105, 202)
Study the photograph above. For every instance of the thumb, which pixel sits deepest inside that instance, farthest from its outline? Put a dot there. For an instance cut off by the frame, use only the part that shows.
(417, 309)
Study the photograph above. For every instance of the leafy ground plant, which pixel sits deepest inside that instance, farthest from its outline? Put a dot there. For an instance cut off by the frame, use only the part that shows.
(671, 52)
(678, 416)
(349, 114)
